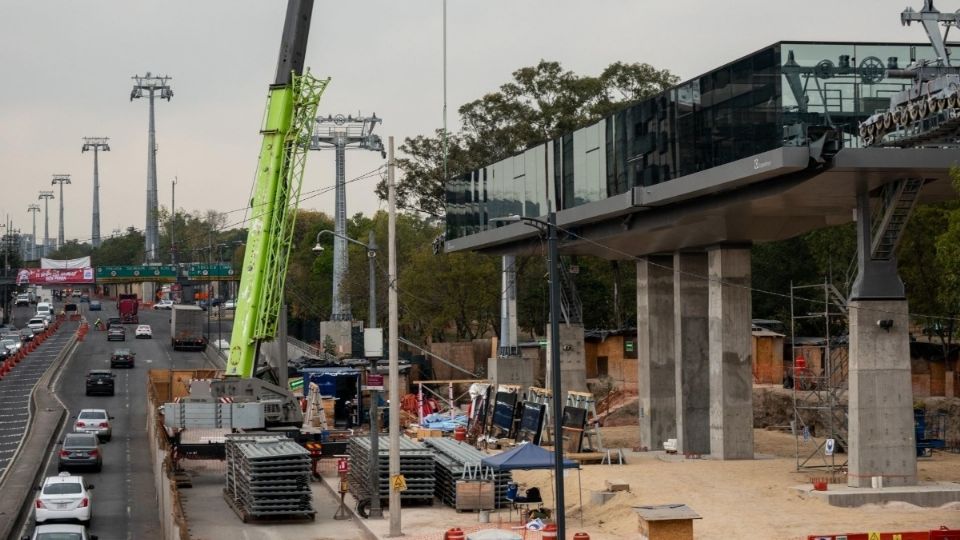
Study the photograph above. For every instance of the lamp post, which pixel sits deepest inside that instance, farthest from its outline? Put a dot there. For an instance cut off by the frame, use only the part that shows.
(550, 225)
(371, 246)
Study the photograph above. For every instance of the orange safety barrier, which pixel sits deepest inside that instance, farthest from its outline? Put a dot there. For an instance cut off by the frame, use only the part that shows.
(942, 533)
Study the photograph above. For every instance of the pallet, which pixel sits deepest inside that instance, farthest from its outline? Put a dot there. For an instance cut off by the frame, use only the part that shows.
(586, 457)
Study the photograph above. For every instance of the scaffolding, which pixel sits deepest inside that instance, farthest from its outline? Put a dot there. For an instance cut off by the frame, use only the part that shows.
(818, 377)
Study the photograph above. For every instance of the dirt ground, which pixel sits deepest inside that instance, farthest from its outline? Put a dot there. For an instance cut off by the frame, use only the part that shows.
(737, 499)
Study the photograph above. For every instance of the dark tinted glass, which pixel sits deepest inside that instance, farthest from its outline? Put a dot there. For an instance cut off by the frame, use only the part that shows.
(62, 488)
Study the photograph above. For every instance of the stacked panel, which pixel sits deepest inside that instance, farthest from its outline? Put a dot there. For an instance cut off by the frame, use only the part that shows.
(268, 477)
(456, 461)
(416, 465)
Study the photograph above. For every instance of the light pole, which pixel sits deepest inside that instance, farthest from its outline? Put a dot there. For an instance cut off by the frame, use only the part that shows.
(375, 510)
(550, 225)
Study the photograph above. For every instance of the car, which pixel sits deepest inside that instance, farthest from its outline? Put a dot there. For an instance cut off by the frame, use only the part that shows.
(230, 304)
(61, 532)
(111, 321)
(84, 298)
(77, 294)
(11, 344)
(26, 334)
(116, 333)
(95, 422)
(65, 497)
(122, 358)
(163, 304)
(23, 300)
(80, 450)
(37, 324)
(144, 331)
(100, 381)
(95, 305)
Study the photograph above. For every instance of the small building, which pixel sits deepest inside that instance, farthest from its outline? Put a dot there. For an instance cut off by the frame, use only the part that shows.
(666, 522)
(767, 356)
(612, 354)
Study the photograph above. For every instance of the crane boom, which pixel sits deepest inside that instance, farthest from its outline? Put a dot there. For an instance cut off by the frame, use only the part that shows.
(291, 112)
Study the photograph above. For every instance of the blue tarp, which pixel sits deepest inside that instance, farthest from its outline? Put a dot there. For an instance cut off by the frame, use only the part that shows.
(525, 457)
(443, 421)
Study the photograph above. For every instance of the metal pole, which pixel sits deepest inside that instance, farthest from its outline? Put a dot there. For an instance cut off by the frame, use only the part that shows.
(394, 347)
(555, 371)
(173, 221)
(151, 228)
(341, 302)
(445, 175)
(375, 510)
(95, 224)
(60, 230)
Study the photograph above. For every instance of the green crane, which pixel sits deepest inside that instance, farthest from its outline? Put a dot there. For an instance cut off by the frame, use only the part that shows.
(291, 113)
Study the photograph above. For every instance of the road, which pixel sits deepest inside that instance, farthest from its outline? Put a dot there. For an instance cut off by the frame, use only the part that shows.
(16, 386)
(124, 505)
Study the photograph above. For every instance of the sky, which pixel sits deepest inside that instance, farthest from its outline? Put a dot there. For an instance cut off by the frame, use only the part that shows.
(66, 68)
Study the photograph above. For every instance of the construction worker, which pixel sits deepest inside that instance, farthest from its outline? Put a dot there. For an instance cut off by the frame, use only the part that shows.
(98, 324)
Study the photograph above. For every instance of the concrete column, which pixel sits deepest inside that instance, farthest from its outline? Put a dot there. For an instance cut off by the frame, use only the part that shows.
(881, 436)
(573, 364)
(655, 355)
(731, 354)
(691, 341)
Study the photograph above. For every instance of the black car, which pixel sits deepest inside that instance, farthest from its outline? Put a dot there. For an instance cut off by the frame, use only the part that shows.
(122, 358)
(116, 333)
(111, 321)
(80, 450)
(100, 381)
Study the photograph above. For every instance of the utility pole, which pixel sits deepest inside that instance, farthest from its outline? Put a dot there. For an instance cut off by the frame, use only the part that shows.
(34, 209)
(173, 221)
(60, 179)
(151, 84)
(376, 511)
(96, 144)
(46, 196)
(394, 355)
(341, 132)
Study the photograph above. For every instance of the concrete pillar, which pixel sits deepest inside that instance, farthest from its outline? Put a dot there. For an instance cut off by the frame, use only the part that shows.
(691, 339)
(881, 436)
(731, 353)
(573, 364)
(511, 370)
(655, 355)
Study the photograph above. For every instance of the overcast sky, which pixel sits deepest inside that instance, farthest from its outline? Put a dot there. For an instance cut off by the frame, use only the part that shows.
(65, 68)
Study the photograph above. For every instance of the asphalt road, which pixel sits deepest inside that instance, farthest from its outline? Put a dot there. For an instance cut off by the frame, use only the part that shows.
(124, 499)
(16, 386)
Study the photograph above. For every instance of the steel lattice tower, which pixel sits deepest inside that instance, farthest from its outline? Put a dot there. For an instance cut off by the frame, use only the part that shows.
(34, 209)
(151, 84)
(96, 144)
(340, 133)
(60, 179)
(46, 196)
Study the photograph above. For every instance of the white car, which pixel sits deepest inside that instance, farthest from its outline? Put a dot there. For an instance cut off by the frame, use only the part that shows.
(61, 532)
(95, 421)
(63, 497)
(163, 304)
(143, 331)
(37, 324)
(230, 304)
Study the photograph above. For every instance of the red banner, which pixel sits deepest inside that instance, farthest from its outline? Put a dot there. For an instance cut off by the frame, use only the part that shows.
(54, 276)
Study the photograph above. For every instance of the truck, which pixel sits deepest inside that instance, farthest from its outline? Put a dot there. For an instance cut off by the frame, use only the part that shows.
(127, 305)
(186, 328)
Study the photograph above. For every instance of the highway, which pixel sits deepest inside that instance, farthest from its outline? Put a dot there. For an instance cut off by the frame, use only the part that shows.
(16, 386)
(124, 500)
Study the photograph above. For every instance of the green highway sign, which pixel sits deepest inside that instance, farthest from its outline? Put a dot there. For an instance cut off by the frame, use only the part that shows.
(129, 274)
(212, 271)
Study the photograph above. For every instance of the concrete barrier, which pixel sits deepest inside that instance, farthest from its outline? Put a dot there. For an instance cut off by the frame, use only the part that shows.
(173, 523)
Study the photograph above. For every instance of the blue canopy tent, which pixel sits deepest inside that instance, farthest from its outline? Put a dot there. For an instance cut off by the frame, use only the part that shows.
(531, 457)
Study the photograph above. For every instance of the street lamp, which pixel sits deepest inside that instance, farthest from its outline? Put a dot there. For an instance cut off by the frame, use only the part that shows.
(550, 225)
(371, 246)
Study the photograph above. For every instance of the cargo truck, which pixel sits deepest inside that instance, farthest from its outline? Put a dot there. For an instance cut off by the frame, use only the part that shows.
(127, 305)
(186, 328)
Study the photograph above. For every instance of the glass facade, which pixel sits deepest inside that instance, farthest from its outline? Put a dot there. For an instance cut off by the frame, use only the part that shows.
(787, 94)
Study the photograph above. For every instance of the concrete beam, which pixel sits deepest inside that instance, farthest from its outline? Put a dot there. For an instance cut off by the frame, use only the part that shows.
(731, 354)
(655, 351)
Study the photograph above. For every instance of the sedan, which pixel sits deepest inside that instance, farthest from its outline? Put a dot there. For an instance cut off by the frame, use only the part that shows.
(163, 304)
(95, 305)
(37, 324)
(63, 497)
(60, 532)
(122, 358)
(144, 331)
(80, 450)
(12, 345)
(26, 334)
(94, 421)
(230, 304)
(116, 333)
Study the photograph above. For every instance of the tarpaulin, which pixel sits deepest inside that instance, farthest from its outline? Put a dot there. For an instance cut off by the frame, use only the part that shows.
(49, 276)
(49, 264)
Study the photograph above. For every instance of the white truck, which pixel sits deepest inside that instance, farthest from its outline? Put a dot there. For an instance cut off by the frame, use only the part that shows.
(186, 328)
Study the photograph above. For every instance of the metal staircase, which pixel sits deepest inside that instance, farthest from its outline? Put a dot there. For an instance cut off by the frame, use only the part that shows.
(897, 202)
(571, 307)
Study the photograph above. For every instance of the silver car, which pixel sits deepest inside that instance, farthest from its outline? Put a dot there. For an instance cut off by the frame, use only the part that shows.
(94, 421)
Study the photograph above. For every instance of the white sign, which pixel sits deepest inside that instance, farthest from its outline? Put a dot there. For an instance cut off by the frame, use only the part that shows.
(829, 447)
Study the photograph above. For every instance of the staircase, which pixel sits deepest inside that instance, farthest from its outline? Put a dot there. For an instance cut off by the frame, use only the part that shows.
(897, 202)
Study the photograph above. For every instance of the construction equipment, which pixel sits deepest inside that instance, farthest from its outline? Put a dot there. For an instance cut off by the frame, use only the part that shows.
(291, 109)
(928, 111)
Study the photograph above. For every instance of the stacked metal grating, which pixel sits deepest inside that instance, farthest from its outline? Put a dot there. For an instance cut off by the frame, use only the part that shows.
(268, 477)
(416, 466)
(459, 461)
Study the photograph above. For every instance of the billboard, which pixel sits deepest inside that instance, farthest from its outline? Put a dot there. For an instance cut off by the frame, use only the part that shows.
(54, 276)
(49, 264)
